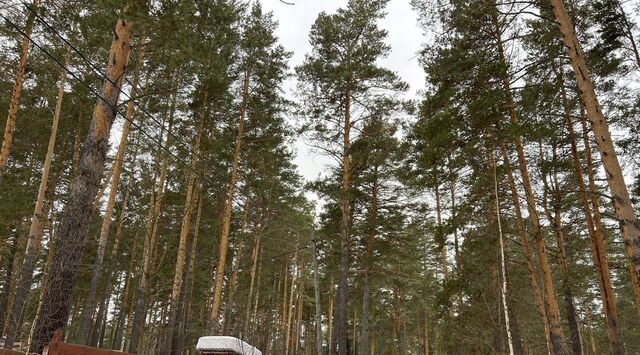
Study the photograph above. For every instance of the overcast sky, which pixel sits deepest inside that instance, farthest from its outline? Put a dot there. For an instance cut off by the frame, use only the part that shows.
(405, 39)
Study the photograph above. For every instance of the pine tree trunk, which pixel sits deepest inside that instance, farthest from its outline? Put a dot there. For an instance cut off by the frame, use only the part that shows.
(104, 299)
(330, 318)
(443, 248)
(127, 297)
(233, 285)
(55, 305)
(623, 207)
(89, 305)
(190, 279)
(298, 323)
(235, 268)
(226, 213)
(183, 243)
(555, 219)
(38, 221)
(14, 102)
(340, 333)
(254, 266)
(371, 232)
(150, 239)
(596, 237)
(289, 309)
(526, 248)
(503, 264)
(425, 334)
(257, 299)
(11, 262)
(556, 333)
(316, 289)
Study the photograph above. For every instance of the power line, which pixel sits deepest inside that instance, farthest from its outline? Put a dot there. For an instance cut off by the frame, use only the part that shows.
(98, 95)
(96, 69)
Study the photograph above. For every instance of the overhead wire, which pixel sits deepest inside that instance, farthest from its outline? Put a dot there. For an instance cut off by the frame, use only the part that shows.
(104, 76)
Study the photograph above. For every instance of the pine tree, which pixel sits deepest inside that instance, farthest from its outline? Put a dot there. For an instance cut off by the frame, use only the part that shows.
(54, 308)
(343, 68)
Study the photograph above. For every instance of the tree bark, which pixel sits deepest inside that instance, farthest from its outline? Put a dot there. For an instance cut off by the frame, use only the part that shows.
(14, 102)
(61, 279)
(38, 221)
(89, 304)
(623, 207)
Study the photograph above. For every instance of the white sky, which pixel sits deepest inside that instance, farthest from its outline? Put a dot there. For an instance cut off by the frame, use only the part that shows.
(405, 39)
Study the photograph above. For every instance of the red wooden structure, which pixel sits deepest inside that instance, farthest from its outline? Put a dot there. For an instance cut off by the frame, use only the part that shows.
(10, 352)
(57, 347)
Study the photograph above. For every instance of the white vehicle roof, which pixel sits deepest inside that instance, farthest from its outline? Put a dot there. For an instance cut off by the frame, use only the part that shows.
(224, 343)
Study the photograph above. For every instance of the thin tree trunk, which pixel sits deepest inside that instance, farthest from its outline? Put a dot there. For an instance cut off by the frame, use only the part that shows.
(257, 300)
(103, 301)
(425, 335)
(150, 238)
(526, 248)
(330, 318)
(227, 209)
(289, 309)
(184, 238)
(556, 333)
(14, 102)
(592, 340)
(598, 249)
(316, 288)
(340, 334)
(443, 248)
(300, 296)
(235, 268)
(503, 264)
(254, 266)
(555, 219)
(623, 207)
(89, 306)
(61, 279)
(117, 343)
(233, 285)
(190, 272)
(36, 230)
(371, 233)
